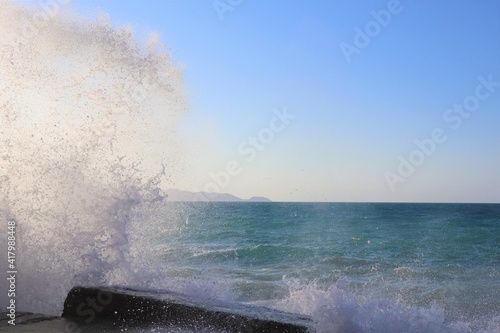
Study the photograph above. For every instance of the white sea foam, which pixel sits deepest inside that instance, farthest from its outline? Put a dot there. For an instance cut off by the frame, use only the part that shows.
(335, 310)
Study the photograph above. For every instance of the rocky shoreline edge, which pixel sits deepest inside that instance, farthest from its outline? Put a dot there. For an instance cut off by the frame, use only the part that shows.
(119, 309)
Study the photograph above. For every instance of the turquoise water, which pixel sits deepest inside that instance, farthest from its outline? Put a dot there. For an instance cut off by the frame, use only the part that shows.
(443, 257)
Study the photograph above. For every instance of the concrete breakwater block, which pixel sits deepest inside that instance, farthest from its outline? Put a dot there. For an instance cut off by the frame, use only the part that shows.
(127, 308)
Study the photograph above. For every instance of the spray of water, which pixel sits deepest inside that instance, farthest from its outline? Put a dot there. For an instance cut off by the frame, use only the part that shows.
(87, 132)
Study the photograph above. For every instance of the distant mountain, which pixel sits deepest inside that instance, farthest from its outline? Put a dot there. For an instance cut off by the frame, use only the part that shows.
(178, 195)
(259, 199)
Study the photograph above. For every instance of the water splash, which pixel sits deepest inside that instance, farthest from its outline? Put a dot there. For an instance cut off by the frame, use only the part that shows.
(87, 132)
(334, 309)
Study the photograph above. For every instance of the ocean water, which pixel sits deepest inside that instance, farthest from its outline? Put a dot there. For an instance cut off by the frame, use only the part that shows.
(355, 267)
(88, 141)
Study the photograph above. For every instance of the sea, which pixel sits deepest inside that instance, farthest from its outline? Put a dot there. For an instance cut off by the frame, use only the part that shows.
(90, 139)
(354, 267)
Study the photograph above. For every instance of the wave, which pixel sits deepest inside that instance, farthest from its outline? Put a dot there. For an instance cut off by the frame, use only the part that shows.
(335, 310)
(87, 138)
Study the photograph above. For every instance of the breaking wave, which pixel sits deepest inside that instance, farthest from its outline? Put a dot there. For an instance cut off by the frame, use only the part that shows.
(87, 131)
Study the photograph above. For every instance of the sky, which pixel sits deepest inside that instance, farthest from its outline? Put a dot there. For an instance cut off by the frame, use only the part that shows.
(333, 100)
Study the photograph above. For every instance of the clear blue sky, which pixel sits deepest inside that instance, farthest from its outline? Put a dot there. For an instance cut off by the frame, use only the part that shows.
(355, 114)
